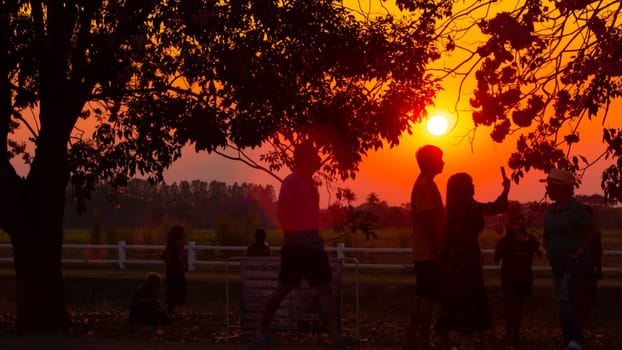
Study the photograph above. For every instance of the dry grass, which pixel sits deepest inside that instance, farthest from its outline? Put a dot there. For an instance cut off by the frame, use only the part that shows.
(98, 299)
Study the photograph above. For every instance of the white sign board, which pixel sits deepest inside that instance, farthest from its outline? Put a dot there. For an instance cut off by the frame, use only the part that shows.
(259, 277)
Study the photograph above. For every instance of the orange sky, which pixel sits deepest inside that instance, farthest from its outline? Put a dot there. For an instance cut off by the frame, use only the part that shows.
(390, 173)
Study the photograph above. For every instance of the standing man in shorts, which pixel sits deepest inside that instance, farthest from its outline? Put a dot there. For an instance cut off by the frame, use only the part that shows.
(427, 240)
(302, 254)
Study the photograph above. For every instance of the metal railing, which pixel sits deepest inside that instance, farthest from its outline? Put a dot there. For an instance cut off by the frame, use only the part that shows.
(341, 251)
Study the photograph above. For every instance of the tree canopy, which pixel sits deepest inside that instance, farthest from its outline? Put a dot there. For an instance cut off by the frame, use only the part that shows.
(109, 90)
(154, 76)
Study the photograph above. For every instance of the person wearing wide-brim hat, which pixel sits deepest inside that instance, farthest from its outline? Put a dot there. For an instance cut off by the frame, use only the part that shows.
(568, 236)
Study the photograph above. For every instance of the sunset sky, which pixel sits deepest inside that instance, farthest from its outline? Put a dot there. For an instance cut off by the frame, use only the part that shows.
(390, 173)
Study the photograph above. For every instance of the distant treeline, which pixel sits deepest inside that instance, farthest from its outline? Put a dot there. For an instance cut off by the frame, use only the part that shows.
(198, 204)
(217, 205)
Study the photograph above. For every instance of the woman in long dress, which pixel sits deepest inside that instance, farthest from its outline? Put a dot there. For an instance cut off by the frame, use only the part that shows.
(464, 305)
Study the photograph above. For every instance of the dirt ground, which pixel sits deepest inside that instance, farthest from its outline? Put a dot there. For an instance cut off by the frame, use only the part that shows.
(97, 301)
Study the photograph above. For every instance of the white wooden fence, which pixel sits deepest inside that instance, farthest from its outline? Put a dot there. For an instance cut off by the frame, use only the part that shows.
(340, 251)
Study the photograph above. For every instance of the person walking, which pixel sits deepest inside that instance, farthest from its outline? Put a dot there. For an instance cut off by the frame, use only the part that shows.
(464, 304)
(515, 251)
(428, 215)
(569, 233)
(587, 295)
(302, 253)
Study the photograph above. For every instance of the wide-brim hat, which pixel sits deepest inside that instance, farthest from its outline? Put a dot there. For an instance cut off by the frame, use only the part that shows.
(559, 177)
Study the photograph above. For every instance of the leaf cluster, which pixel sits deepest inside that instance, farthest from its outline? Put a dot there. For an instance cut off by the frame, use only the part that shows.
(544, 70)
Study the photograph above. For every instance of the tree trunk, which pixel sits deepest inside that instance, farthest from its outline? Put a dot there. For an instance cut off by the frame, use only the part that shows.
(32, 208)
(39, 281)
(37, 240)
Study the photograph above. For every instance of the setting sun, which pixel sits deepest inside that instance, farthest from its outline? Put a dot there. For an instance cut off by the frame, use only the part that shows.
(437, 125)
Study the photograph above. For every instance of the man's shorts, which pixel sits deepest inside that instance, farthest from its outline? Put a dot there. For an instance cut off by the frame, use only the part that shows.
(428, 277)
(299, 261)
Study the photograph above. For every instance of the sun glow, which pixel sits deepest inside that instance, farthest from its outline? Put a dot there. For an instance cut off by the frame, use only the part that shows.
(437, 124)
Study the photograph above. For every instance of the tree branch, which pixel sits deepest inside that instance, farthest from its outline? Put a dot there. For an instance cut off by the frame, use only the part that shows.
(244, 158)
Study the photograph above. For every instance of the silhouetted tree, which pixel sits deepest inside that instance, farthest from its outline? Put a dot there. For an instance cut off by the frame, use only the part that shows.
(151, 76)
(373, 199)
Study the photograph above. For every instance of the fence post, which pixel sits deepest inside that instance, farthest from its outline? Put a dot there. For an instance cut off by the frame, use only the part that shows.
(191, 255)
(340, 252)
(122, 257)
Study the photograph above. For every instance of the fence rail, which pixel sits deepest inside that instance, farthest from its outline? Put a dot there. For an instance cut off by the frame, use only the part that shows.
(340, 251)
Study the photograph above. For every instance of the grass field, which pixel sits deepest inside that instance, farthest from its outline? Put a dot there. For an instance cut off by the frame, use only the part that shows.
(612, 239)
(396, 238)
(97, 297)
(97, 300)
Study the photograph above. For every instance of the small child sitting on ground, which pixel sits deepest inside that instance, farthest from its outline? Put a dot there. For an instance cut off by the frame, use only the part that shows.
(144, 308)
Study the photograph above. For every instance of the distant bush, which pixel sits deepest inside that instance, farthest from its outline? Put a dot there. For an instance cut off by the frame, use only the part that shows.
(235, 232)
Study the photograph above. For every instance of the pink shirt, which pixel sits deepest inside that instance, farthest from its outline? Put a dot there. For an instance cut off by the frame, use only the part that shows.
(299, 209)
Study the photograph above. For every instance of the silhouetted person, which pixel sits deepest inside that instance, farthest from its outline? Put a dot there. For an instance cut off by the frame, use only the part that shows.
(144, 307)
(260, 247)
(176, 260)
(569, 234)
(464, 305)
(302, 254)
(515, 250)
(427, 240)
(587, 294)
